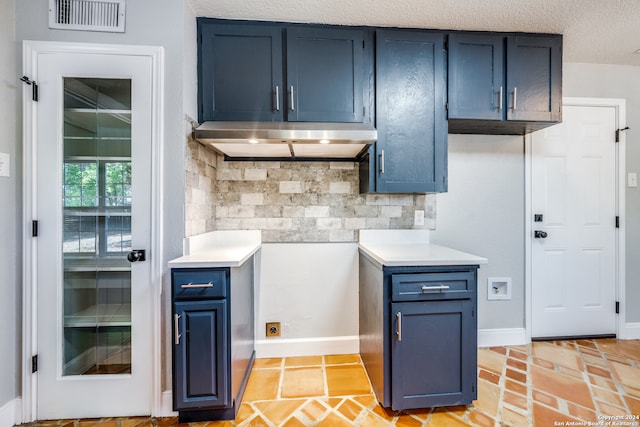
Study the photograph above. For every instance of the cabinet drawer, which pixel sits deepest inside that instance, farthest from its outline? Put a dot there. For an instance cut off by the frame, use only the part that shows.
(199, 283)
(424, 286)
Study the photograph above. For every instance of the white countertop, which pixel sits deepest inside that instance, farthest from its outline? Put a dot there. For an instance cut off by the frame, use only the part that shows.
(395, 248)
(218, 249)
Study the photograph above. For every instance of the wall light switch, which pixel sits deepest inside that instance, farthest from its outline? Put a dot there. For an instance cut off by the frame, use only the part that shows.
(4, 164)
(418, 217)
(632, 180)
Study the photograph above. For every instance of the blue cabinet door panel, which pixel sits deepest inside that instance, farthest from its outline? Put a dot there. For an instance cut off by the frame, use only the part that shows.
(240, 72)
(325, 75)
(411, 151)
(534, 73)
(433, 354)
(476, 76)
(201, 365)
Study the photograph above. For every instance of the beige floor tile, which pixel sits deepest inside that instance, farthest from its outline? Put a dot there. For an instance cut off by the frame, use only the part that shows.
(302, 382)
(336, 359)
(558, 355)
(491, 361)
(488, 398)
(514, 419)
(563, 386)
(545, 417)
(334, 420)
(347, 380)
(303, 361)
(262, 385)
(626, 374)
(267, 363)
(372, 420)
(350, 409)
(278, 411)
(444, 419)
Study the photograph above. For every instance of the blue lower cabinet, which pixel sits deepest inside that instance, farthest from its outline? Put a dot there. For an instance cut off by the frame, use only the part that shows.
(213, 340)
(433, 357)
(418, 334)
(201, 355)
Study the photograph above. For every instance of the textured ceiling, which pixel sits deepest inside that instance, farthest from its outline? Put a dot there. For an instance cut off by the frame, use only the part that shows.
(596, 31)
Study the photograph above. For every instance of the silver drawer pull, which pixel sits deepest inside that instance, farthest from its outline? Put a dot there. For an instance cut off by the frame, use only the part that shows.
(176, 327)
(197, 285)
(399, 330)
(435, 288)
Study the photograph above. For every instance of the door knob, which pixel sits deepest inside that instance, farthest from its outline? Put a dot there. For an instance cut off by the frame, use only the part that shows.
(136, 255)
(540, 234)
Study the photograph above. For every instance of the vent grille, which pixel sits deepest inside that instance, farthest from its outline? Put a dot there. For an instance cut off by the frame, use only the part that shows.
(87, 15)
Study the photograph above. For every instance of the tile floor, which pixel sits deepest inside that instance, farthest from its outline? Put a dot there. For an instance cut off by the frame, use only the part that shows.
(542, 384)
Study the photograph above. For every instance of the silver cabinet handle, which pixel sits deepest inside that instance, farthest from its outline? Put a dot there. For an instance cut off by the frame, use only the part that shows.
(500, 99)
(435, 288)
(277, 98)
(197, 285)
(515, 98)
(292, 106)
(176, 325)
(399, 331)
(382, 161)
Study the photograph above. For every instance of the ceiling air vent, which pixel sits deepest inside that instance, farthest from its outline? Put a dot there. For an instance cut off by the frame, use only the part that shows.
(87, 15)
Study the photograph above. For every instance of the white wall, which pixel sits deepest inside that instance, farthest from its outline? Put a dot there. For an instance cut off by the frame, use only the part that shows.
(9, 211)
(312, 289)
(483, 213)
(617, 81)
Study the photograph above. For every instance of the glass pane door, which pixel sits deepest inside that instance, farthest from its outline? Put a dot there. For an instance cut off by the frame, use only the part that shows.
(97, 226)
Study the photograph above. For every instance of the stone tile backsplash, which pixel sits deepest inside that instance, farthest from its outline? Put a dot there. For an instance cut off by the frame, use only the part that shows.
(291, 201)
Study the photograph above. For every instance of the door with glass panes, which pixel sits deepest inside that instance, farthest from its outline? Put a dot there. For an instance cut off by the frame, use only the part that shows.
(93, 197)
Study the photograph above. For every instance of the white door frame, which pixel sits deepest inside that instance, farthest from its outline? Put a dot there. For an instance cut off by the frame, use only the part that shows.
(621, 117)
(31, 50)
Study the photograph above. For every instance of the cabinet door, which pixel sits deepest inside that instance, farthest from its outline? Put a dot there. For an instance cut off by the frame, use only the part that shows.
(411, 151)
(534, 78)
(433, 354)
(476, 76)
(200, 370)
(325, 75)
(239, 72)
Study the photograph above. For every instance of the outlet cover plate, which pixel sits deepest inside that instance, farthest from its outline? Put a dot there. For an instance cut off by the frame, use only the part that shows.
(499, 288)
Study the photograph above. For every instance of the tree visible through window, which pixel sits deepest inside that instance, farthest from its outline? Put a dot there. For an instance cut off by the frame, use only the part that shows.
(97, 202)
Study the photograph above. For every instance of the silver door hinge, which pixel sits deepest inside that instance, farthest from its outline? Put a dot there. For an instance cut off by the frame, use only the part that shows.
(34, 87)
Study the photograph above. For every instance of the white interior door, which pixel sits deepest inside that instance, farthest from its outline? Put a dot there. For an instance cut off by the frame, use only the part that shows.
(573, 257)
(92, 167)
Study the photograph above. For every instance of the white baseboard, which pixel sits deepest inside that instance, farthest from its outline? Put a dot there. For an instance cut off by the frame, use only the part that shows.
(307, 346)
(631, 331)
(11, 413)
(502, 337)
(166, 409)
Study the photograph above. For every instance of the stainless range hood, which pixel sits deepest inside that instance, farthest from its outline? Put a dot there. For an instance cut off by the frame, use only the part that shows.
(287, 140)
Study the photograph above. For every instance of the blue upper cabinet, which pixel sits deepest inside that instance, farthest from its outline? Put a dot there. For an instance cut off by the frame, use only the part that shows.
(272, 72)
(410, 155)
(534, 75)
(239, 72)
(476, 76)
(325, 75)
(504, 83)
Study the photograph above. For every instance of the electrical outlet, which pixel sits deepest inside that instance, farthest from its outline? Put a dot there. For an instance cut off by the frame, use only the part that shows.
(418, 217)
(273, 329)
(632, 180)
